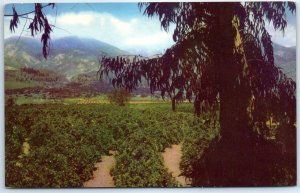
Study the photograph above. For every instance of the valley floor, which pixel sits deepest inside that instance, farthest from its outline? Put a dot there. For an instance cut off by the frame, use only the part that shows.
(65, 142)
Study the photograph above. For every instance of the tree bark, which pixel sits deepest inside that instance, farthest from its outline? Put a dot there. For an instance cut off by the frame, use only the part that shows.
(234, 96)
(227, 161)
(197, 105)
(173, 104)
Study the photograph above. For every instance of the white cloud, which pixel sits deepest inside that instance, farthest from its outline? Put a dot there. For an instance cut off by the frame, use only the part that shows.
(124, 27)
(288, 38)
(134, 34)
(139, 35)
(150, 40)
(75, 19)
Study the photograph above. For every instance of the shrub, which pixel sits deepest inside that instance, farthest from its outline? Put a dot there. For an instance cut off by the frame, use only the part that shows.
(119, 97)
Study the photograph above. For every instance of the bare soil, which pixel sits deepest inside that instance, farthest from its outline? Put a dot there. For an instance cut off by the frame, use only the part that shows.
(172, 157)
(101, 176)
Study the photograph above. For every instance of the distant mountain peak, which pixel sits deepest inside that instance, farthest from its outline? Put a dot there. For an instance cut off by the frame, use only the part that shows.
(70, 55)
(73, 55)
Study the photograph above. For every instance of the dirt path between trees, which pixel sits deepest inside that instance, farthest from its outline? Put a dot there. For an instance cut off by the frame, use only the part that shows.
(172, 157)
(101, 176)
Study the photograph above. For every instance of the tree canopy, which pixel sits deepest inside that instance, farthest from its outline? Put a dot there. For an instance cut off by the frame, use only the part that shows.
(194, 65)
(223, 55)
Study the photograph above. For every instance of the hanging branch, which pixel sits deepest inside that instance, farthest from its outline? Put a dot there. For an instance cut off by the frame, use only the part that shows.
(27, 13)
(39, 23)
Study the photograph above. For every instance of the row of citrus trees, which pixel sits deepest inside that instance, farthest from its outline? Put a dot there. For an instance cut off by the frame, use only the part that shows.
(139, 161)
(65, 141)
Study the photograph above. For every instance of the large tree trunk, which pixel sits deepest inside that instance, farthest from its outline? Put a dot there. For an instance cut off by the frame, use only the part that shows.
(226, 161)
(234, 94)
(239, 157)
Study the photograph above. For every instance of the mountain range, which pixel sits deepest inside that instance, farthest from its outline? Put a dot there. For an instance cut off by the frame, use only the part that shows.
(72, 56)
(285, 58)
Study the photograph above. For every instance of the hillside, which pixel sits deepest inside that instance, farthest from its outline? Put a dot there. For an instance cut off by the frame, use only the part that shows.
(69, 55)
(75, 60)
(29, 77)
(285, 58)
(73, 56)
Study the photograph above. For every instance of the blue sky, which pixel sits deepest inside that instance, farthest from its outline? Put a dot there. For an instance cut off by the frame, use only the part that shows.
(120, 10)
(119, 24)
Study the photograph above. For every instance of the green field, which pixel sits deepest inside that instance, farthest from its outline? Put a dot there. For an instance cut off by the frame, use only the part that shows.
(13, 84)
(100, 99)
(56, 145)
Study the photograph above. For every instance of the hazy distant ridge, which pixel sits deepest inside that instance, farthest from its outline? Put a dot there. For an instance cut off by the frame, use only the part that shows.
(72, 55)
(69, 55)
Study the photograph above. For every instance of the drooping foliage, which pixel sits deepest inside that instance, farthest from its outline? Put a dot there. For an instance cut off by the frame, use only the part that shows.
(190, 64)
(162, 74)
(39, 23)
(223, 56)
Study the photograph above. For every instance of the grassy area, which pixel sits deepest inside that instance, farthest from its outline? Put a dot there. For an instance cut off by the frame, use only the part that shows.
(140, 103)
(100, 99)
(21, 100)
(12, 84)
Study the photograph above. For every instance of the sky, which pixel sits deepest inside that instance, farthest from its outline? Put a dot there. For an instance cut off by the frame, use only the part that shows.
(120, 24)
